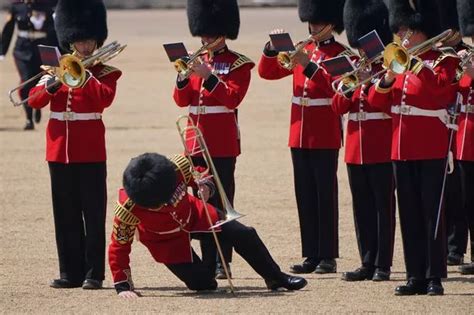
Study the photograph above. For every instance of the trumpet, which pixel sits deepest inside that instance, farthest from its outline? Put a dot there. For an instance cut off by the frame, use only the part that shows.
(396, 58)
(71, 71)
(285, 58)
(186, 125)
(183, 65)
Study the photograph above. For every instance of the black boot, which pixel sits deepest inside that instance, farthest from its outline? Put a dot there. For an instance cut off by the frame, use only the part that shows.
(381, 274)
(220, 272)
(65, 284)
(91, 284)
(326, 266)
(455, 259)
(412, 287)
(37, 114)
(435, 287)
(360, 274)
(29, 125)
(288, 282)
(308, 266)
(467, 269)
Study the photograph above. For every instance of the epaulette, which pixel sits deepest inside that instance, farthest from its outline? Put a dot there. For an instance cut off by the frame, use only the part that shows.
(124, 212)
(183, 166)
(106, 70)
(242, 60)
(444, 54)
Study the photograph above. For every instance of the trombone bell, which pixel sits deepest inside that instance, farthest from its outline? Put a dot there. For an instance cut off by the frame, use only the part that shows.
(396, 58)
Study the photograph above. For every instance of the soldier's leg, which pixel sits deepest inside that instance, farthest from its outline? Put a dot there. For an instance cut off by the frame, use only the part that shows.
(68, 222)
(93, 192)
(25, 73)
(467, 179)
(195, 275)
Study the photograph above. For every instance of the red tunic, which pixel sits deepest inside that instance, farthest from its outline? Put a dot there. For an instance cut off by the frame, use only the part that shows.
(313, 127)
(225, 89)
(465, 133)
(416, 137)
(76, 141)
(367, 141)
(164, 231)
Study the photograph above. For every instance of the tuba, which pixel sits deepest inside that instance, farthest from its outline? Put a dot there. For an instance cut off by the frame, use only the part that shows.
(285, 58)
(71, 71)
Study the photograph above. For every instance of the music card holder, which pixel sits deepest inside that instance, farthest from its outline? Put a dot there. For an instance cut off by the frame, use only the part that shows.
(282, 42)
(49, 55)
(371, 44)
(338, 65)
(175, 51)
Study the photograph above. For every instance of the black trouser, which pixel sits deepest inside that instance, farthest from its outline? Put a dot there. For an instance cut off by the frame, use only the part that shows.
(373, 202)
(419, 185)
(315, 179)
(456, 216)
(466, 169)
(200, 276)
(27, 68)
(79, 205)
(225, 167)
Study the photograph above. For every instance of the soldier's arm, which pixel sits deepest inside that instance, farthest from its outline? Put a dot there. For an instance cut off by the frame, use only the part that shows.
(101, 89)
(7, 32)
(269, 68)
(381, 95)
(341, 104)
(42, 93)
(183, 92)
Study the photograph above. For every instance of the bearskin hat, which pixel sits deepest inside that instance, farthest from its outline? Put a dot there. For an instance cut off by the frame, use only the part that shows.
(448, 14)
(420, 15)
(322, 11)
(150, 180)
(214, 18)
(79, 20)
(364, 16)
(466, 17)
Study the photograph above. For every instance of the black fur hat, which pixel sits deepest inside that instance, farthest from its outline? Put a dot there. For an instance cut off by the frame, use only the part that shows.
(420, 15)
(214, 18)
(322, 11)
(466, 17)
(364, 16)
(150, 180)
(80, 19)
(448, 14)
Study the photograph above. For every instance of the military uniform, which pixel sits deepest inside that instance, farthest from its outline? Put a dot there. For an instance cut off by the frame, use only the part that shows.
(34, 20)
(166, 229)
(315, 136)
(213, 103)
(75, 150)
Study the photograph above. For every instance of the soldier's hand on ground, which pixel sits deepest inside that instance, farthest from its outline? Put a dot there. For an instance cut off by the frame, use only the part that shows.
(128, 295)
(301, 58)
(201, 70)
(204, 192)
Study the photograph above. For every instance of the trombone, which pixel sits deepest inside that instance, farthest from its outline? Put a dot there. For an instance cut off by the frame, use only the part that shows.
(395, 58)
(185, 124)
(71, 71)
(285, 58)
(183, 65)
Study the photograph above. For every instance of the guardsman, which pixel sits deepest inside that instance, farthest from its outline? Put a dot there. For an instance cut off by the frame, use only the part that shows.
(215, 89)
(35, 26)
(418, 100)
(367, 154)
(75, 147)
(315, 133)
(465, 133)
(165, 217)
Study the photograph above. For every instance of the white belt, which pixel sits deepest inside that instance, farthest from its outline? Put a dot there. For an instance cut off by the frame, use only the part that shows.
(71, 116)
(32, 34)
(305, 101)
(361, 116)
(467, 108)
(202, 110)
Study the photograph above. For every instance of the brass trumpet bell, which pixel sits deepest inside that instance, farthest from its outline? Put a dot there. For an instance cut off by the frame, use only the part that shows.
(284, 59)
(396, 58)
(181, 66)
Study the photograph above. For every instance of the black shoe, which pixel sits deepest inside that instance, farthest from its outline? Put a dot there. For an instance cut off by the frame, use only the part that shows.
(455, 259)
(381, 274)
(360, 274)
(435, 287)
(288, 282)
(37, 114)
(220, 272)
(308, 266)
(467, 269)
(29, 125)
(411, 288)
(64, 284)
(326, 266)
(91, 284)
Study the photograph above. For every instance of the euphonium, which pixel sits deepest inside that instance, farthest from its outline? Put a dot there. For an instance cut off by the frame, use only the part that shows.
(71, 71)
(285, 58)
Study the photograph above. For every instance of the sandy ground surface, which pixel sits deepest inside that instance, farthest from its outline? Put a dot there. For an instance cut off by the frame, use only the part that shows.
(142, 119)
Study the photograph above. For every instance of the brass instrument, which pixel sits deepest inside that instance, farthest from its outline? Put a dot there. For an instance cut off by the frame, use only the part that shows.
(71, 71)
(186, 125)
(397, 58)
(285, 58)
(183, 65)
(465, 60)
